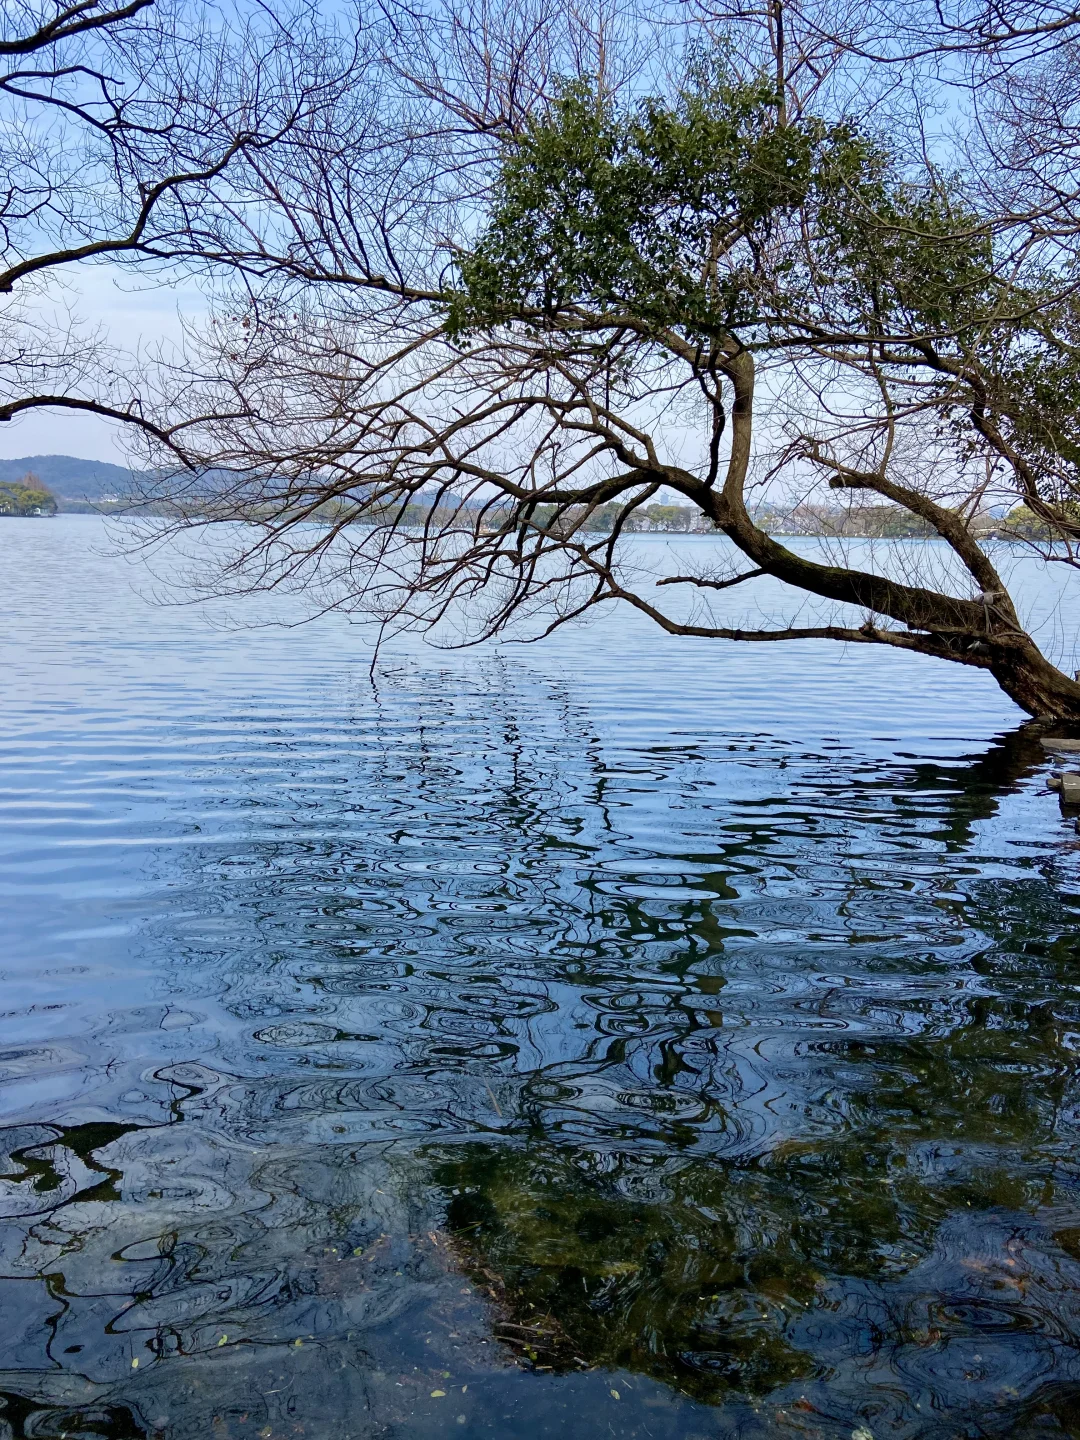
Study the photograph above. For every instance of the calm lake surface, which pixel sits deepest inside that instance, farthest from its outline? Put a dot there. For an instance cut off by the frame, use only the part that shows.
(619, 1036)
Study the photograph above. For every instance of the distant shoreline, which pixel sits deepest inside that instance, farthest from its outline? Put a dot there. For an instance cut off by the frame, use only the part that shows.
(106, 509)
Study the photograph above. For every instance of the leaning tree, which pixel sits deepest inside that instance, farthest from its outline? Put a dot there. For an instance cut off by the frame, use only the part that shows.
(543, 279)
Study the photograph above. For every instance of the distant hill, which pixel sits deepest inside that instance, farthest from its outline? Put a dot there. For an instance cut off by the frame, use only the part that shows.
(70, 478)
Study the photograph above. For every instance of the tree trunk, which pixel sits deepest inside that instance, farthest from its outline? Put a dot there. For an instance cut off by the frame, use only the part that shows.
(1038, 687)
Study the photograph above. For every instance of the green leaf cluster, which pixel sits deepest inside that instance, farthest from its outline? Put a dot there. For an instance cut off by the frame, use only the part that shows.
(707, 214)
(633, 210)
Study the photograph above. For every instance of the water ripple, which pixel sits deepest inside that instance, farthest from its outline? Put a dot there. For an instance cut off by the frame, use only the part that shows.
(522, 1031)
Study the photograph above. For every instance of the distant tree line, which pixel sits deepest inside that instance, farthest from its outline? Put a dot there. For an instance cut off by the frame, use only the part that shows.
(27, 496)
(878, 522)
(1026, 524)
(874, 522)
(602, 519)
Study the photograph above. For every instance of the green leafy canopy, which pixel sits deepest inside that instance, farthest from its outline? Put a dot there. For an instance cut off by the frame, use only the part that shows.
(707, 214)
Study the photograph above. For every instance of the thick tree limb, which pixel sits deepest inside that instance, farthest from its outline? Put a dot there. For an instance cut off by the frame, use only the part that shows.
(71, 21)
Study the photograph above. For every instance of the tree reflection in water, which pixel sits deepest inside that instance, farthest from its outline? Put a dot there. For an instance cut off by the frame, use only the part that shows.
(500, 1083)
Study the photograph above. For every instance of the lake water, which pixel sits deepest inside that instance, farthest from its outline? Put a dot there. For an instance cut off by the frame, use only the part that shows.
(620, 1036)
